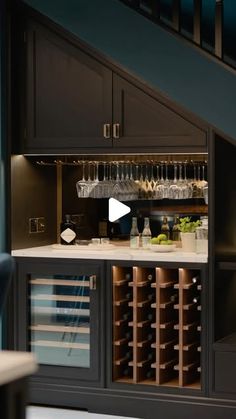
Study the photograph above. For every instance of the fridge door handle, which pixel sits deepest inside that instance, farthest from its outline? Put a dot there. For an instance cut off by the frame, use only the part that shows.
(93, 282)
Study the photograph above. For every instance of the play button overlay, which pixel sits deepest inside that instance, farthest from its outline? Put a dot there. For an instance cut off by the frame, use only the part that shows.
(117, 210)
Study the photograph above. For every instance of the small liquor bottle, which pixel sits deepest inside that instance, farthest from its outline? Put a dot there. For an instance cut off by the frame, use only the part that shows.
(68, 234)
(134, 234)
(165, 228)
(175, 229)
(146, 234)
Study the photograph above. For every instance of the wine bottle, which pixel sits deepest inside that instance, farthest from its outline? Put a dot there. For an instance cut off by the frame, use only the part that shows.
(175, 229)
(196, 300)
(150, 336)
(126, 316)
(128, 355)
(165, 229)
(127, 276)
(134, 234)
(149, 277)
(128, 335)
(151, 296)
(127, 372)
(150, 374)
(196, 280)
(150, 316)
(151, 356)
(146, 234)
(174, 298)
(68, 234)
(128, 296)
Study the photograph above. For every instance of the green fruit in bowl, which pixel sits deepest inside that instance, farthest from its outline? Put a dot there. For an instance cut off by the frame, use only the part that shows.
(164, 242)
(155, 240)
(162, 237)
(169, 242)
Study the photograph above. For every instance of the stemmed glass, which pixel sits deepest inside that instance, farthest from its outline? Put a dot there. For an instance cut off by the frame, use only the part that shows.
(174, 189)
(158, 187)
(81, 185)
(166, 183)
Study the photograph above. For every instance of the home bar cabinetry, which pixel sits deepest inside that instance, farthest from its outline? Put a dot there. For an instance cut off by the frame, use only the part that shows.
(156, 339)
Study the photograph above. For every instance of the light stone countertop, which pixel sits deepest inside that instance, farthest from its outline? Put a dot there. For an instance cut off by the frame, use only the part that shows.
(16, 365)
(115, 253)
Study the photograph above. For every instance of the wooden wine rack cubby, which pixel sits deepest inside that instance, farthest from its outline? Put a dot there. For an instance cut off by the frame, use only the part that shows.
(157, 326)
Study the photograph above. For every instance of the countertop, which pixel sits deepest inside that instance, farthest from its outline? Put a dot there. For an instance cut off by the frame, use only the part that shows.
(115, 253)
(16, 365)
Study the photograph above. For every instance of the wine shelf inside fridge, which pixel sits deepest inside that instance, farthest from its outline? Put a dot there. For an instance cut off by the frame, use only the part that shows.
(157, 326)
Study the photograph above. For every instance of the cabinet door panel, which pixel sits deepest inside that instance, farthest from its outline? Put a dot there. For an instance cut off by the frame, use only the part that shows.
(59, 317)
(146, 122)
(69, 95)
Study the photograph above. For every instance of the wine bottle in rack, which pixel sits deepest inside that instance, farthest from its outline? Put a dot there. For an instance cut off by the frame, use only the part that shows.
(126, 316)
(196, 300)
(151, 356)
(150, 374)
(151, 296)
(150, 277)
(150, 316)
(196, 280)
(128, 296)
(174, 298)
(127, 372)
(128, 355)
(128, 276)
(151, 337)
(128, 335)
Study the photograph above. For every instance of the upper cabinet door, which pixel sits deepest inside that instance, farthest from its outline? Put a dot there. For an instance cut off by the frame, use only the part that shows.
(142, 121)
(69, 96)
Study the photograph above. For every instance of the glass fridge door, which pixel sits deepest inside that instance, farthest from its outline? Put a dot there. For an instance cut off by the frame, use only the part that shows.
(60, 319)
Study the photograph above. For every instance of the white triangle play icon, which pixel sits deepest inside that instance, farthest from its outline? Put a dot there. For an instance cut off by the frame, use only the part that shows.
(117, 209)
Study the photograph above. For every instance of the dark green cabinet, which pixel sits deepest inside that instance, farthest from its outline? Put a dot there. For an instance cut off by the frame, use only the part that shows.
(76, 104)
(68, 95)
(59, 317)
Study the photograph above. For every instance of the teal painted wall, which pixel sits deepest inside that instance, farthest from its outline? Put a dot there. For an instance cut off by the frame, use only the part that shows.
(153, 55)
(2, 129)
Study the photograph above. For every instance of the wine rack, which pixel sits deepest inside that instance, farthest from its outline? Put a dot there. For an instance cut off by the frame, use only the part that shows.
(157, 326)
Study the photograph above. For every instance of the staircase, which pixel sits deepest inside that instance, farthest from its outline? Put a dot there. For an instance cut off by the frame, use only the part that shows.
(209, 24)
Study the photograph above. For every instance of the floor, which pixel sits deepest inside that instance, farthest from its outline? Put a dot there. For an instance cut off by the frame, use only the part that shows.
(34, 412)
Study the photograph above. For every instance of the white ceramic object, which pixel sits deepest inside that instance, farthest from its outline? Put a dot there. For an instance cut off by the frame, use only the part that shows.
(188, 242)
(162, 247)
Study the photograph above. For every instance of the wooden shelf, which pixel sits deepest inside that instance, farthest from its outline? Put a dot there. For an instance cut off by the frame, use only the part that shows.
(63, 345)
(54, 297)
(67, 282)
(182, 209)
(120, 342)
(167, 345)
(188, 327)
(168, 364)
(63, 329)
(121, 302)
(168, 284)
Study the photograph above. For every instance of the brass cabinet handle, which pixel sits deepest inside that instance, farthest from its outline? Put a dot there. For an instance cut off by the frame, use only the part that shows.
(93, 282)
(107, 131)
(116, 131)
